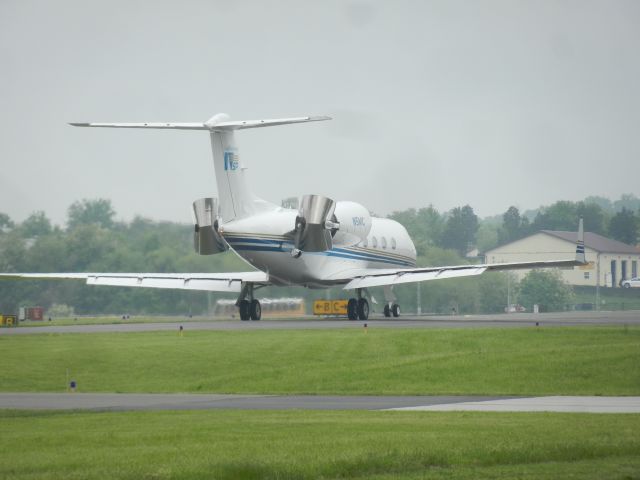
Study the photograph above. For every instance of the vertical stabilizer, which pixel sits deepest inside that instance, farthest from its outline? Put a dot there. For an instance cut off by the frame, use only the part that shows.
(236, 200)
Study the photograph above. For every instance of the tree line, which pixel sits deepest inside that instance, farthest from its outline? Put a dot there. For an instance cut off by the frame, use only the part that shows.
(461, 230)
(92, 240)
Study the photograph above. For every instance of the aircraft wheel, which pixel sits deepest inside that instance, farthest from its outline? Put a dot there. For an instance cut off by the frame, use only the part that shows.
(626, 285)
(244, 310)
(255, 310)
(363, 309)
(395, 310)
(387, 310)
(352, 309)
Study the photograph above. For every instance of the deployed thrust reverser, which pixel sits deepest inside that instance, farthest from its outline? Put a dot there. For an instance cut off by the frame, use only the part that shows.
(322, 223)
(314, 225)
(206, 238)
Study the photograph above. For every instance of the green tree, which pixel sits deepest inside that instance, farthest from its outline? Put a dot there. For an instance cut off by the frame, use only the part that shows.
(624, 227)
(35, 225)
(564, 215)
(595, 217)
(425, 226)
(514, 226)
(628, 201)
(547, 289)
(461, 229)
(602, 202)
(6, 223)
(487, 236)
(90, 212)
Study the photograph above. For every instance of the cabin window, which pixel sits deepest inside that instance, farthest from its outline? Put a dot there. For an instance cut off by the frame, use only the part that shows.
(374, 242)
(365, 243)
(383, 242)
(393, 243)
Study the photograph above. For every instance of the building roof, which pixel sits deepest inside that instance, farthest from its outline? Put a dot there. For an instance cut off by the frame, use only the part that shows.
(594, 241)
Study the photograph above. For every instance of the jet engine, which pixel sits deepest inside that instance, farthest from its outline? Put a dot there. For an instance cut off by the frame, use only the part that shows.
(313, 227)
(206, 238)
(354, 223)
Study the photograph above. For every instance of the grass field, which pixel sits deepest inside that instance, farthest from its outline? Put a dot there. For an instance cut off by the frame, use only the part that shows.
(535, 361)
(299, 445)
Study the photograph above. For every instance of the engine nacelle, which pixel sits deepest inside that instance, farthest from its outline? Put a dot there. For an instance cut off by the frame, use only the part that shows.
(355, 223)
(206, 238)
(312, 232)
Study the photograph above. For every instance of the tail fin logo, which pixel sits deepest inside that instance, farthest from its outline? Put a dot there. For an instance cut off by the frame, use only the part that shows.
(230, 160)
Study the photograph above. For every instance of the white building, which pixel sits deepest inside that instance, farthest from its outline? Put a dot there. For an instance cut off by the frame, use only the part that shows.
(609, 261)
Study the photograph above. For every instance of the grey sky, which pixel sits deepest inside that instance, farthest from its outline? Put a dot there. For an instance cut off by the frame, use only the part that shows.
(490, 103)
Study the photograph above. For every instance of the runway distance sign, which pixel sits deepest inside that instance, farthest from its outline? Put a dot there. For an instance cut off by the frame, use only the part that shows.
(330, 307)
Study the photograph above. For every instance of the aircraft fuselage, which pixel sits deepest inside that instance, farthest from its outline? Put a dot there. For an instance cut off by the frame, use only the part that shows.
(262, 241)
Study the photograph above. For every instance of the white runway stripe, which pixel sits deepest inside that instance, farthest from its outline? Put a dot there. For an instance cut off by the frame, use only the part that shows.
(540, 404)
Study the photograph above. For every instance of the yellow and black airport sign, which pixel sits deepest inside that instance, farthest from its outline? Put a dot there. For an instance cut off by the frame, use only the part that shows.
(8, 320)
(330, 307)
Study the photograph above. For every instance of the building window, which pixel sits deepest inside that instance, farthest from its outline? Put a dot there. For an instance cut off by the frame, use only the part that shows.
(634, 268)
(587, 275)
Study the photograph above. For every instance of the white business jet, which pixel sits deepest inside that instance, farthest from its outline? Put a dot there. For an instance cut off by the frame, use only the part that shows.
(322, 244)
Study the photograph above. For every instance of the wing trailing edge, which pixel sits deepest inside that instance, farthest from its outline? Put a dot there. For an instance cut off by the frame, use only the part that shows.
(212, 282)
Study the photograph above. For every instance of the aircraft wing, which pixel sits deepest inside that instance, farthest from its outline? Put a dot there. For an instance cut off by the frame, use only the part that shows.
(213, 282)
(364, 278)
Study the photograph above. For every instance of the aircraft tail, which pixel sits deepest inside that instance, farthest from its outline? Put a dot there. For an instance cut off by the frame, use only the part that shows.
(235, 198)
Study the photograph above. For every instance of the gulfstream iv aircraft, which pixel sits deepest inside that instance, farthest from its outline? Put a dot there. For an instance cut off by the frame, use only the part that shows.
(324, 243)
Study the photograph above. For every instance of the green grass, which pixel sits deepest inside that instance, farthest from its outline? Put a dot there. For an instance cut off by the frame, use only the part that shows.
(535, 361)
(227, 444)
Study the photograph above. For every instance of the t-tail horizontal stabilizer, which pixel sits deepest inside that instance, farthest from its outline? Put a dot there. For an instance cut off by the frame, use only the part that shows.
(217, 122)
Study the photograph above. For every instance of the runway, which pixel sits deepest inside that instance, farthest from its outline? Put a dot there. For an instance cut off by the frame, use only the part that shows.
(154, 401)
(563, 319)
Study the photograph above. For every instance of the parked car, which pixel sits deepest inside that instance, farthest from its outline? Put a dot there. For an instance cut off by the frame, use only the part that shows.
(514, 308)
(632, 282)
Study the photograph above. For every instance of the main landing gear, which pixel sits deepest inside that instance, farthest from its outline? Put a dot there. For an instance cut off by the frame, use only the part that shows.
(392, 309)
(358, 308)
(250, 308)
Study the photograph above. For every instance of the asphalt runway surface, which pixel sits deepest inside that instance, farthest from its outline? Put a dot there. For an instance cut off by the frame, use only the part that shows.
(153, 401)
(563, 319)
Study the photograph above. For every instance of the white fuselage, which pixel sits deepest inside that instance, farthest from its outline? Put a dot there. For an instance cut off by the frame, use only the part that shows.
(262, 241)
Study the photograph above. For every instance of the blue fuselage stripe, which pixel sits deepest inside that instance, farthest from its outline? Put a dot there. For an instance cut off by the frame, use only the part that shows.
(267, 245)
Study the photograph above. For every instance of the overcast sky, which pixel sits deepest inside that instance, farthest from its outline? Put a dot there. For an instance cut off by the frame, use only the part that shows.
(490, 103)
